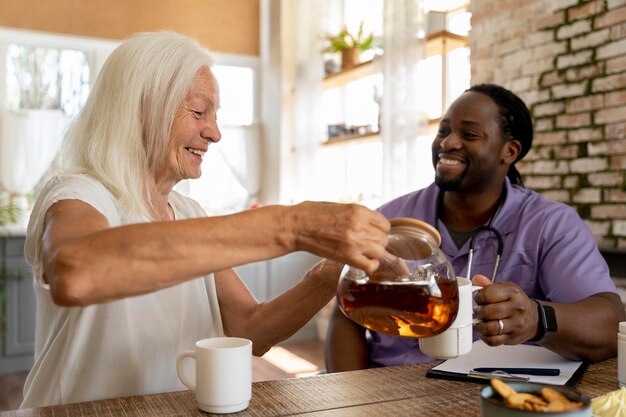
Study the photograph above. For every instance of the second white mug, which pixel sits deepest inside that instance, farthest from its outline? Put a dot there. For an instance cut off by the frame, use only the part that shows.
(223, 374)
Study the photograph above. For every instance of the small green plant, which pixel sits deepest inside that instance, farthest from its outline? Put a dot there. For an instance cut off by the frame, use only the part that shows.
(345, 40)
(9, 210)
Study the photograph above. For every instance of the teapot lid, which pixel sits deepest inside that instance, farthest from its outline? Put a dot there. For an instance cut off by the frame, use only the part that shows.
(419, 225)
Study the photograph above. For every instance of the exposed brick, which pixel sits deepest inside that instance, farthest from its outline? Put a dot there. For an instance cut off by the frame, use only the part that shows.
(522, 84)
(616, 65)
(511, 45)
(615, 195)
(550, 138)
(605, 179)
(584, 135)
(598, 228)
(612, 82)
(610, 115)
(611, 49)
(542, 182)
(532, 97)
(538, 66)
(608, 211)
(571, 181)
(551, 78)
(579, 104)
(544, 124)
(548, 109)
(613, 4)
(557, 195)
(619, 228)
(585, 10)
(587, 195)
(550, 167)
(566, 152)
(585, 72)
(610, 18)
(571, 60)
(573, 120)
(549, 50)
(615, 131)
(586, 165)
(621, 244)
(574, 29)
(538, 152)
(590, 40)
(554, 5)
(537, 38)
(618, 31)
(607, 147)
(550, 20)
(615, 98)
(569, 90)
(618, 162)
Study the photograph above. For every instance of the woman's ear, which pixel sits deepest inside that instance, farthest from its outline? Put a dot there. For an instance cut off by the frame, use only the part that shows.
(510, 151)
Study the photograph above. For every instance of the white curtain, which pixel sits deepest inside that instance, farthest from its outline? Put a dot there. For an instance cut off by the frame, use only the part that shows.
(308, 124)
(29, 142)
(401, 120)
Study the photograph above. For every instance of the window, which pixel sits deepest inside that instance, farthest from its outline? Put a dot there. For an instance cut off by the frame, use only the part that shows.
(46, 78)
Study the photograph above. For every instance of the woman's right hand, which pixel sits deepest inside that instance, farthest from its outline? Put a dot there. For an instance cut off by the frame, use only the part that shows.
(346, 233)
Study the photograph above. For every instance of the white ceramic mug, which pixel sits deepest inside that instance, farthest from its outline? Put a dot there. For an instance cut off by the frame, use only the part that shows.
(223, 374)
(456, 340)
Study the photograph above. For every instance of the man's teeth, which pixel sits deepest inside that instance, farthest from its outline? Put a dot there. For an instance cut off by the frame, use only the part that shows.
(195, 152)
(449, 161)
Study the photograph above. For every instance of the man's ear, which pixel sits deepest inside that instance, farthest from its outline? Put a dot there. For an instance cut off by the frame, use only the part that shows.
(510, 151)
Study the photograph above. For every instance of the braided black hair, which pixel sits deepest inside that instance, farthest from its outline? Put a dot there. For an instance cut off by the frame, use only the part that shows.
(514, 120)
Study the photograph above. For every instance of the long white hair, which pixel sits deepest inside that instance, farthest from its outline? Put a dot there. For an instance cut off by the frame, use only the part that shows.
(121, 135)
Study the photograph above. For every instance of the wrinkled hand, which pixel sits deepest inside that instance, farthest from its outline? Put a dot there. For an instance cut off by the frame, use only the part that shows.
(390, 267)
(508, 302)
(346, 233)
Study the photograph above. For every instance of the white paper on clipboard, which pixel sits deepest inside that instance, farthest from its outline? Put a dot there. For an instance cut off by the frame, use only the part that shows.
(517, 356)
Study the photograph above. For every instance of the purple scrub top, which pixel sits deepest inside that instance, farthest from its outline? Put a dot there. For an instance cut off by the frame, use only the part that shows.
(548, 251)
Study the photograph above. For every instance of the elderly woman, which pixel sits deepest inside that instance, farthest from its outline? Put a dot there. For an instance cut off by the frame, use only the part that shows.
(128, 272)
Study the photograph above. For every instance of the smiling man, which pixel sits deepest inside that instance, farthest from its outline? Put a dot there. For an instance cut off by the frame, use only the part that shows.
(551, 287)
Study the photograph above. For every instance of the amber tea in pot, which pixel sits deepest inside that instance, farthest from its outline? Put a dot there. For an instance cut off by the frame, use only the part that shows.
(413, 293)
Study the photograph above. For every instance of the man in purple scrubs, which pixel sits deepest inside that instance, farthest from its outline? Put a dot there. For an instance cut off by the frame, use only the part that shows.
(551, 287)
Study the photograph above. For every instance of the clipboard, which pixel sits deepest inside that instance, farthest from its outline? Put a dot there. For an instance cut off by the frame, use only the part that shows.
(518, 356)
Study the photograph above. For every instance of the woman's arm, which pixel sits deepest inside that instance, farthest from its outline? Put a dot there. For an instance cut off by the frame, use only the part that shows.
(86, 261)
(273, 321)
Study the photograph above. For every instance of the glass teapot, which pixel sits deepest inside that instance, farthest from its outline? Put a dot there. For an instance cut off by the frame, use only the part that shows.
(413, 293)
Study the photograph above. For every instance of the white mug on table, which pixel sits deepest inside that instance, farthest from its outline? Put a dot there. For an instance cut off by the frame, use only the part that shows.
(457, 339)
(223, 374)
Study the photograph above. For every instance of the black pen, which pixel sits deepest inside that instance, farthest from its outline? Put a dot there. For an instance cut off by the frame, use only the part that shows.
(523, 371)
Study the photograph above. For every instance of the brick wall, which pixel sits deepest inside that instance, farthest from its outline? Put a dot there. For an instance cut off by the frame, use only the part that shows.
(567, 60)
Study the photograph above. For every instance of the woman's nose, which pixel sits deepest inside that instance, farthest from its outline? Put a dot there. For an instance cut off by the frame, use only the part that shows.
(211, 131)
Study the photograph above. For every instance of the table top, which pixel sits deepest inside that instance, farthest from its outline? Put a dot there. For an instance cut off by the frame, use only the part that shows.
(398, 390)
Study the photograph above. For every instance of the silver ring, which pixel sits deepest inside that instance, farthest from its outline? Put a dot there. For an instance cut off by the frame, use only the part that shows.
(500, 327)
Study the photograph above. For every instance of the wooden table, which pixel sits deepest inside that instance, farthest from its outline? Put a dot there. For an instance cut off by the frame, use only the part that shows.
(398, 391)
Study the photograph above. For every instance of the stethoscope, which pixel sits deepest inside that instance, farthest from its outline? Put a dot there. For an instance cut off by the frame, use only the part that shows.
(482, 229)
(499, 249)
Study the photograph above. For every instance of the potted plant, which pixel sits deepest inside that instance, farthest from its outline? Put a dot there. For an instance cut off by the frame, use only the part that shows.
(349, 45)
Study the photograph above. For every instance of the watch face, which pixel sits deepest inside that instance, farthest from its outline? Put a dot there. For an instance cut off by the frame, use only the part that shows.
(550, 318)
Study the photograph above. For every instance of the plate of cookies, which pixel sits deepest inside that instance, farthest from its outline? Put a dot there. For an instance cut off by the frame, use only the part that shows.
(501, 398)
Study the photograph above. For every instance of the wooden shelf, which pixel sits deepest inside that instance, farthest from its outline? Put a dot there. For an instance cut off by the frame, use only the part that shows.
(364, 69)
(440, 43)
(344, 140)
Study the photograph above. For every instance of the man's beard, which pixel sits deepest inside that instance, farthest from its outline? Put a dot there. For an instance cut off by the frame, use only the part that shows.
(449, 185)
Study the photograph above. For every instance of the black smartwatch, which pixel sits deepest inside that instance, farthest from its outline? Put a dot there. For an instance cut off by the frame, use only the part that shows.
(546, 325)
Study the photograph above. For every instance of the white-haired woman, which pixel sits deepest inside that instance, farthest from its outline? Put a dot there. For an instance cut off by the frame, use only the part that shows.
(128, 272)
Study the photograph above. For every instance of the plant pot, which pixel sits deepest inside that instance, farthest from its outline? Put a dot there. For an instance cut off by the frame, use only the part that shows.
(350, 58)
